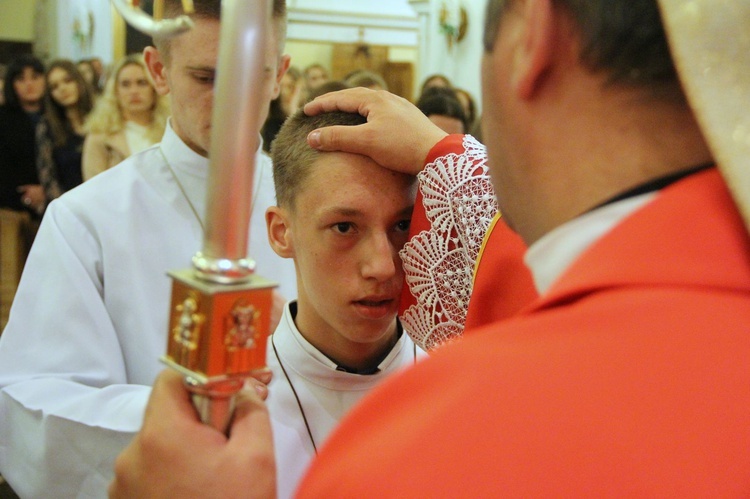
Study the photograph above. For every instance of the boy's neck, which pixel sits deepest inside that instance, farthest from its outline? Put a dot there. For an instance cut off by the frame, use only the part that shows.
(359, 358)
(370, 366)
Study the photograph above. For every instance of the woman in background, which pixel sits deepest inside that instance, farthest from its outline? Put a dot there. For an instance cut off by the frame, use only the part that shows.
(128, 117)
(470, 108)
(436, 80)
(442, 107)
(366, 79)
(20, 117)
(68, 101)
(86, 67)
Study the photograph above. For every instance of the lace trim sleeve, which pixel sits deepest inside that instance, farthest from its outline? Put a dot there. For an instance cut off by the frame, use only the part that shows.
(438, 263)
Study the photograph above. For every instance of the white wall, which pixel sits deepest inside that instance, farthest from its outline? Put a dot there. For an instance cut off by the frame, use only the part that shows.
(73, 29)
(314, 25)
(461, 62)
(84, 29)
(386, 22)
(380, 7)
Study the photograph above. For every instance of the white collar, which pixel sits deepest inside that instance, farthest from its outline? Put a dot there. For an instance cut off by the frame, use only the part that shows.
(299, 355)
(181, 158)
(184, 159)
(192, 169)
(550, 256)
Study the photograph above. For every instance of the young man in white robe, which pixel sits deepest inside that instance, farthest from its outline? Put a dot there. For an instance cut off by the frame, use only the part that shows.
(90, 318)
(342, 218)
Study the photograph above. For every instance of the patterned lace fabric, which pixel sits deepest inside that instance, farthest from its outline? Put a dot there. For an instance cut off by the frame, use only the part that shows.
(460, 204)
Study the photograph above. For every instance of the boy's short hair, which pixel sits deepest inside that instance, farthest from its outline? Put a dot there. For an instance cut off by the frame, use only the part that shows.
(211, 9)
(293, 157)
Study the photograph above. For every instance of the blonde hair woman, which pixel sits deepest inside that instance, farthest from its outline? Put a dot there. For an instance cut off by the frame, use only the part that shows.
(129, 117)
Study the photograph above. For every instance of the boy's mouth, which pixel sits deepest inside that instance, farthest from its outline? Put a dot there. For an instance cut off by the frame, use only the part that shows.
(375, 308)
(374, 303)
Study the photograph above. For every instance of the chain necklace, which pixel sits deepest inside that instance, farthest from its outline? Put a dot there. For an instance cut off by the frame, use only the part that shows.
(182, 190)
(296, 397)
(190, 203)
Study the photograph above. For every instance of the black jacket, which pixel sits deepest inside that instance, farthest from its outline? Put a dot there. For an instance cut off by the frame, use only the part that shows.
(17, 156)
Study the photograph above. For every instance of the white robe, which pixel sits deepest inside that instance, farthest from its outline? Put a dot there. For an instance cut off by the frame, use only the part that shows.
(89, 320)
(325, 396)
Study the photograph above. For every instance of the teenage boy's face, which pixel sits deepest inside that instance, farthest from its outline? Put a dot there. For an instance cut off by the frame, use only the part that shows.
(349, 222)
(188, 74)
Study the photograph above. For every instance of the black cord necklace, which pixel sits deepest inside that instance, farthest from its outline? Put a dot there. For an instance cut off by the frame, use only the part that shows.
(299, 403)
(296, 397)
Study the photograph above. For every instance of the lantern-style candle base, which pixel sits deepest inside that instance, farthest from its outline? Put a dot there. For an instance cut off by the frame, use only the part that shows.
(217, 337)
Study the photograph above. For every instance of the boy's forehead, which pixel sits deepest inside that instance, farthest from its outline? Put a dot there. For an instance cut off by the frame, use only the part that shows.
(332, 173)
(205, 36)
(335, 163)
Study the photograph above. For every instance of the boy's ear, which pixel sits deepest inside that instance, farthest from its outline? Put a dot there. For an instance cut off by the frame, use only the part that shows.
(279, 233)
(280, 72)
(155, 64)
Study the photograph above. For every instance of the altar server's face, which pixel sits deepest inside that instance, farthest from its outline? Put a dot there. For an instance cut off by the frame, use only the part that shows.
(187, 73)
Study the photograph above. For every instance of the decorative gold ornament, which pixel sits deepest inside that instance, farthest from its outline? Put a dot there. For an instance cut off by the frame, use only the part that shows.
(243, 331)
(454, 23)
(187, 327)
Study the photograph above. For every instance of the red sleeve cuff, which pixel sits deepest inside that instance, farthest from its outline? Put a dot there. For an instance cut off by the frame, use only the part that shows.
(448, 144)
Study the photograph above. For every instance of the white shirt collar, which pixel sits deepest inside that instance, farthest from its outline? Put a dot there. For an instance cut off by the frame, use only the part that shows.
(192, 169)
(301, 356)
(181, 158)
(550, 256)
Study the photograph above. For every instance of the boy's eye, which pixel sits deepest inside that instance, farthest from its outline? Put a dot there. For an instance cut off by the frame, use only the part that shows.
(403, 225)
(203, 78)
(343, 227)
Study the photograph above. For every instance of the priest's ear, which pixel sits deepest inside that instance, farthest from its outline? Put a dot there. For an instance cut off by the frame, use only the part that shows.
(533, 47)
(279, 232)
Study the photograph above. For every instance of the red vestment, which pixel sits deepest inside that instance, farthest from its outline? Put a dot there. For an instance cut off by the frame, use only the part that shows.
(629, 377)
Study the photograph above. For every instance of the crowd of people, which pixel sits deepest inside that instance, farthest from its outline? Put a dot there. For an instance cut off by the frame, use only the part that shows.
(51, 111)
(59, 128)
(450, 107)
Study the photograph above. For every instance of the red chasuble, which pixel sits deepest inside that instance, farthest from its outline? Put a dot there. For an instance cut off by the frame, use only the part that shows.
(629, 378)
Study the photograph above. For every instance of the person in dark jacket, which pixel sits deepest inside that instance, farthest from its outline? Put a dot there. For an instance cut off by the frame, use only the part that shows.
(20, 189)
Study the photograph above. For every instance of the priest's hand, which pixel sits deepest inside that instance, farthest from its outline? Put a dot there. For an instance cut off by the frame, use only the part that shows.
(397, 134)
(175, 455)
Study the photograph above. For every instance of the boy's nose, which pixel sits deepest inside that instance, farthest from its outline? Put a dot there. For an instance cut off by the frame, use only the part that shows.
(379, 258)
